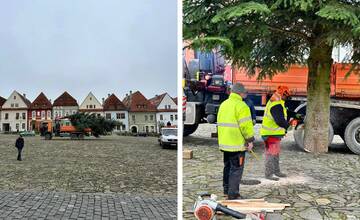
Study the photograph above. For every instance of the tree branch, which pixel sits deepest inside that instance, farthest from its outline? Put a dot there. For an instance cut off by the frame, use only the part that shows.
(292, 33)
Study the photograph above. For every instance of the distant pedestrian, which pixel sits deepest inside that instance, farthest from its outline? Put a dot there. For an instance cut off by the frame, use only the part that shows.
(19, 145)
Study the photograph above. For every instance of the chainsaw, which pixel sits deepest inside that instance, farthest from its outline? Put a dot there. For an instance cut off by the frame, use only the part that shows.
(206, 208)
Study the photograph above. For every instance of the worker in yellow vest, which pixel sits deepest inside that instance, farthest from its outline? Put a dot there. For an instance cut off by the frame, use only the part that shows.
(274, 127)
(235, 136)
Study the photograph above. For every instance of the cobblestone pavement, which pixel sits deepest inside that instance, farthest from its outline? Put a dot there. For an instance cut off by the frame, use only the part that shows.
(55, 205)
(323, 186)
(114, 169)
(131, 165)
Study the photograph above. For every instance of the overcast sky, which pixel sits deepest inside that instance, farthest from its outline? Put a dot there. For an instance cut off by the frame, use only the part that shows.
(103, 46)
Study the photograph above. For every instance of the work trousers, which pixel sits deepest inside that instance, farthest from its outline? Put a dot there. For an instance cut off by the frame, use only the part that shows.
(233, 171)
(272, 154)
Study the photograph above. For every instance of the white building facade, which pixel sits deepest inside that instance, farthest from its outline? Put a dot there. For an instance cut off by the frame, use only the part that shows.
(14, 113)
(114, 109)
(166, 110)
(91, 105)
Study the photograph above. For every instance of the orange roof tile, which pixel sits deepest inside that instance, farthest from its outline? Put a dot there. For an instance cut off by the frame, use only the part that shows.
(65, 100)
(136, 102)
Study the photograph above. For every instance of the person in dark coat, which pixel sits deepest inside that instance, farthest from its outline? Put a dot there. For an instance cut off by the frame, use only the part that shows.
(251, 105)
(19, 145)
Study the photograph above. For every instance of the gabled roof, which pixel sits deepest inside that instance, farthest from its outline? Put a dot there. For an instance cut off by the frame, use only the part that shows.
(113, 103)
(157, 99)
(65, 100)
(27, 101)
(2, 101)
(136, 102)
(41, 102)
(23, 99)
(93, 100)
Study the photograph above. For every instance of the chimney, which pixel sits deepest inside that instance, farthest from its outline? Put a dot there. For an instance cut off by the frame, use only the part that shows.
(130, 92)
(24, 95)
(50, 100)
(127, 95)
(108, 95)
(103, 100)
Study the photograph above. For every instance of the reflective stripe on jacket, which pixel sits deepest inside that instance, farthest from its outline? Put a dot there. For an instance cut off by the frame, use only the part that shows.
(269, 126)
(234, 124)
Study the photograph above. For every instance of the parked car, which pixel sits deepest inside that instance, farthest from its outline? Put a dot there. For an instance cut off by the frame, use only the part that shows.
(27, 133)
(168, 137)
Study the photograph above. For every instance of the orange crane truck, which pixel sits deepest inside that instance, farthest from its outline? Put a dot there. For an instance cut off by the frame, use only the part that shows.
(63, 128)
(204, 96)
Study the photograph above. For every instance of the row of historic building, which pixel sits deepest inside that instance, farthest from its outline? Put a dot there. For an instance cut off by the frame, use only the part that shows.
(135, 112)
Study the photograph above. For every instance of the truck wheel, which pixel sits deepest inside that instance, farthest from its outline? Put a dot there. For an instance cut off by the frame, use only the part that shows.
(299, 135)
(352, 135)
(73, 136)
(81, 136)
(189, 129)
(48, 136)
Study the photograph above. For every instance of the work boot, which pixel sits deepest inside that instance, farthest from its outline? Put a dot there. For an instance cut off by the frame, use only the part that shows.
(280, 174)
(272, 177)
(234, 197)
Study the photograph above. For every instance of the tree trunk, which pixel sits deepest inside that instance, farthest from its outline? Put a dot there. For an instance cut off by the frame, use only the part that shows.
(318, 98)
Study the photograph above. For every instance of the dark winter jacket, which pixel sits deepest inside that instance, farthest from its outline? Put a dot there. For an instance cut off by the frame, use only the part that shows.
(250, 103)
(19, 143)
(277, 113)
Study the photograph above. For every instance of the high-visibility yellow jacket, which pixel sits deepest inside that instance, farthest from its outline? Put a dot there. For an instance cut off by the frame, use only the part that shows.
(234, 123)
(269, 126)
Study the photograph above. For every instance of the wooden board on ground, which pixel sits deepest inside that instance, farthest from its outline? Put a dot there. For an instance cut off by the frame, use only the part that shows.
(253, 205)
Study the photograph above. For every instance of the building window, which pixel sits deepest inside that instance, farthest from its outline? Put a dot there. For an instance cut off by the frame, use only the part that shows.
(33, 114)
(14, 97)
(17, 126)
(152, 128)
(123, 127)
(17, 116)
(42, 114)
(122, 115)
(151, 117)
(146, 117)
(171, 118)
(133, 117)
(118, 127)
(118, 116)
(48, 114)
(161, 117)
(108, 115)
(74, 112)
(147, 129)
(6, 116)
(12, 105)
(175, 117)
(16, 105)
(23, 115)
(90, 98)
(23, 126)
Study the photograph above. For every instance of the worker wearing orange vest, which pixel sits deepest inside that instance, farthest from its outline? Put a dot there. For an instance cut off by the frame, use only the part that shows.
(274, 127)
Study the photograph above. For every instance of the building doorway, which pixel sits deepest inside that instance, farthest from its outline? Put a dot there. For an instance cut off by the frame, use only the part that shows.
(134, 129)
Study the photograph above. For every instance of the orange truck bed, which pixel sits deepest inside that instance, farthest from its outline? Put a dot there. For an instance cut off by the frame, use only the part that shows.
(296, 79)
(70, 129)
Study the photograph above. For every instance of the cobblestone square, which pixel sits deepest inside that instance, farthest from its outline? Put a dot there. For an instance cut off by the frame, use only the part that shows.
(317, 187)
(113, 177)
